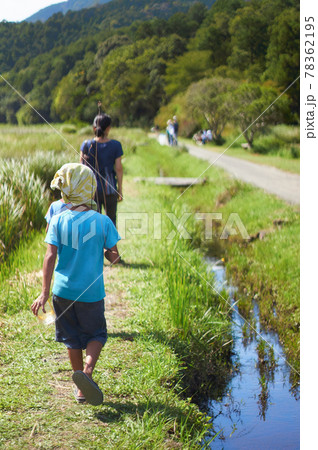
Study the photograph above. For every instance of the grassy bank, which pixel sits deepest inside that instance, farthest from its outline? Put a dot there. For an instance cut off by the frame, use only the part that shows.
(265, 267)
(168, 329)
(160, 350)
(139, 372)
(277, 251)
(279, 147)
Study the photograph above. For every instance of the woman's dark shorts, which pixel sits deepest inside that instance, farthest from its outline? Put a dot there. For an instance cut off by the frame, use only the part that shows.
(78, 323)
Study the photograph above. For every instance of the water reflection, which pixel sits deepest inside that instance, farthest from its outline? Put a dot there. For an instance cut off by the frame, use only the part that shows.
(260, 408)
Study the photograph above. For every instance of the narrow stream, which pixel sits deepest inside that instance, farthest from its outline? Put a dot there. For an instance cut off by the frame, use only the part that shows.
(260, 409)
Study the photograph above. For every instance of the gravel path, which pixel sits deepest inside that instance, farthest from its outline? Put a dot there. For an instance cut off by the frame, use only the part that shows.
(283, 184)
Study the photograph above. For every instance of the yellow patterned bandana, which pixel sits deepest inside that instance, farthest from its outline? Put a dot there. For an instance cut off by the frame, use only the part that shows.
(77, 184)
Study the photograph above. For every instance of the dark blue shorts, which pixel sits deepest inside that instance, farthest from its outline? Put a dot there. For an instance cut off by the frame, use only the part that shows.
(78, 323)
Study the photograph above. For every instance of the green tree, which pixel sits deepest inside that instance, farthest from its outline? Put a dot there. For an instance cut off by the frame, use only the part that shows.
(9, 105)
(181, 24)
(283, 53)
(249, 38)
(214, 34)
(250, 35)
(69, 94)
(105, 47)
(27, 116)
(255, 107)
(131, 81)
(197, 12)
(216, 39)
(188, 68)
(227, 6)
(209, 100)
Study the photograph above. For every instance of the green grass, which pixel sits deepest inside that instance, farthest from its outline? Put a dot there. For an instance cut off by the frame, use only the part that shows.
(23, 201)
(24, 178)
(139, 370)
(266, 269)
(151, 362)
(159, 343)
(279, 147)
(142, 408)
(183, 302)
(286, 164)
(22, 141)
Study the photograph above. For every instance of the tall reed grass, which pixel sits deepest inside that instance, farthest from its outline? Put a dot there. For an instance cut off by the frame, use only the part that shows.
(19, 142)
(44, 164)
(23, 195)
(199, 320)
(190, 292)
(23, 200)
(29, 158)
(193, 304)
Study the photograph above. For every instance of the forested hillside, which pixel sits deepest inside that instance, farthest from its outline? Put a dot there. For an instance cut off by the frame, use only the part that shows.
(145, 58)
(63, 7)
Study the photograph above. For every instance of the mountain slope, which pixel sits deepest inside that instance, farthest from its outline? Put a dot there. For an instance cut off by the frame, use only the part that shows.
(63, 7)
(137, 54)
(20, 42)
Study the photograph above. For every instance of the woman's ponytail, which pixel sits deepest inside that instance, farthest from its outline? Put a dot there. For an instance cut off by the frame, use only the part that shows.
(101, 122)
(99, 132)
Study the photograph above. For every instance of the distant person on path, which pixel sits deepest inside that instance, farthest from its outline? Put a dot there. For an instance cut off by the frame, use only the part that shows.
(204, 137)
(103, 156)
(176, 129)
(170, 132)
(79, 237)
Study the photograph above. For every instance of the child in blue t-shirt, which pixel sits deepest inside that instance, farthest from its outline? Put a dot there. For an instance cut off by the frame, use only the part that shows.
(78, 237)
(56, 208)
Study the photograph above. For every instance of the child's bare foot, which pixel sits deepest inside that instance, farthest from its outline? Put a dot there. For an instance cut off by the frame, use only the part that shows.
(88, 374)
(79, 397)
(93, 394)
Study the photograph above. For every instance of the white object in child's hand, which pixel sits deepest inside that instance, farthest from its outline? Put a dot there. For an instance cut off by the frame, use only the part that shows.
(48, 317)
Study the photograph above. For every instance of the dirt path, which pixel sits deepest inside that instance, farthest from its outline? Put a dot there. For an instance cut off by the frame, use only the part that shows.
(274, 181)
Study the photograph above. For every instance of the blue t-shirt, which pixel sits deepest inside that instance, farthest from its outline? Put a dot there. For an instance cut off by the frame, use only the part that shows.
(56, 208)
(80, 238)
(103, 165)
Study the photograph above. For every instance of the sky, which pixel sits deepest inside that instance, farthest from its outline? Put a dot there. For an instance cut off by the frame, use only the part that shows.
(17, 10)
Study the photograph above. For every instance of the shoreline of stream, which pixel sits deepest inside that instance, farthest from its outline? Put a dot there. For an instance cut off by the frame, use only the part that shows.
(260, 407)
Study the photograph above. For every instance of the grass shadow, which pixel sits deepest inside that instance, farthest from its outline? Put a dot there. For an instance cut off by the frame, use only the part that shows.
(113, 411)
(124, 336)
(205, 372)
(143, 266)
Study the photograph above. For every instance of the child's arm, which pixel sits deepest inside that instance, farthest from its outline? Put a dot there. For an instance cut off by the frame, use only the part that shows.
(112, 255)
(48, 269)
